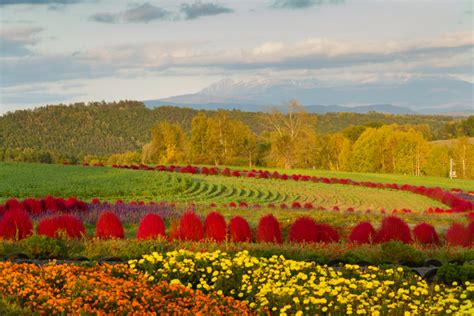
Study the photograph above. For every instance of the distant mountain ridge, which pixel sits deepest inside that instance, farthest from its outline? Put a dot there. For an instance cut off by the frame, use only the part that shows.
(431, 96)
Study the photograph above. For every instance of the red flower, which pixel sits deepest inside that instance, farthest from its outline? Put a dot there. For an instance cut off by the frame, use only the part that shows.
(151, 226)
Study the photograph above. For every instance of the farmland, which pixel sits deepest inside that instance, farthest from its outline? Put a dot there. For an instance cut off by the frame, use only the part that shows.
(222, 236)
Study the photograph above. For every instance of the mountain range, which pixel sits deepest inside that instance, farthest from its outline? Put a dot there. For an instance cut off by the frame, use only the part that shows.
(415, 96)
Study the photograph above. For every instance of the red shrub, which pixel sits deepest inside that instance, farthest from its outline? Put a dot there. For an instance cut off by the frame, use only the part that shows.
(308, 206)
(393, 228)
(215, 226)
(33, 206)
(2, 210)
(15, 224)
(304, 229)
(296, 205)
(268, 230)
(425, 234)
(232, 204)
(362, 233)
(13, 204)
(457, 235)
(239, 230)
(243, 204)
(327, 233)
(236, 173)
(69, 224)
(109, 226)
(470, 230)
(51, 204)
(190, 227)
(151, 226)
(283, 205)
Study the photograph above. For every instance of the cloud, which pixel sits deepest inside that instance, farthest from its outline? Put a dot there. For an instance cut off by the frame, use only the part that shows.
(30, 2)
(140, 14)
(198, 9)
(16, 41)
(366, 60)
(105, 17)
(301, 4)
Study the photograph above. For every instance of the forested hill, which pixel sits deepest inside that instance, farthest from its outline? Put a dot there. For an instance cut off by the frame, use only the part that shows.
(107, 128)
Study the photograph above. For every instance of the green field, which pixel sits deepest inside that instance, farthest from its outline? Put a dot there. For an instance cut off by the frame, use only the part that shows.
(445, 183)
(38, 180)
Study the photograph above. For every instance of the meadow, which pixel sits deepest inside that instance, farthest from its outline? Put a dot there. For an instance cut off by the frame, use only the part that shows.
(232, 241)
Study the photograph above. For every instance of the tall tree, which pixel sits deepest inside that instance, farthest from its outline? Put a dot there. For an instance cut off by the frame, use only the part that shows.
(168, 144)
(288, 131)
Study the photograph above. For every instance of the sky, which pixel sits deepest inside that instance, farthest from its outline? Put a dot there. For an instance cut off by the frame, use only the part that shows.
(63, 51)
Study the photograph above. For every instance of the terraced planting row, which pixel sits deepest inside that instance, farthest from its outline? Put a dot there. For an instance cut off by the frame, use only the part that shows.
(111, 184)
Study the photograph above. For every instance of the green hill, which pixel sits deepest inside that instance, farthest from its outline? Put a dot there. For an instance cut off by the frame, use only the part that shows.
(101, 129)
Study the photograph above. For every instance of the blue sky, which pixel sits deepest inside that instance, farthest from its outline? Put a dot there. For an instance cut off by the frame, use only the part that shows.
(55, 51)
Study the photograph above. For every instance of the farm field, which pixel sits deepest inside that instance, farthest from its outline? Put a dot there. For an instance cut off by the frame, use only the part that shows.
(36, 180)
(228, 244)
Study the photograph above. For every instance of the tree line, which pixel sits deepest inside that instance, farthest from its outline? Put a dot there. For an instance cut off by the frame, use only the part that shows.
(291, 140)
(120, 133)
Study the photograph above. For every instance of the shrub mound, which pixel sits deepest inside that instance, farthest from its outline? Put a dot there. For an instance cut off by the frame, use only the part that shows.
(362, 233)
(425, 234)
(268, 230)
(215, 227)
(190, 227)
(68, 224)
(304, 229)
(239, 230)
(109, 226)
(15, 224)
(393, 228)
(457, 235)
(151, 226)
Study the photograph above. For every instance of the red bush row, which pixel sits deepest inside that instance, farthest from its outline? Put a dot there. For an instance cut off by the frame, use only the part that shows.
(49, 203)
(16, 224)
(449, 198)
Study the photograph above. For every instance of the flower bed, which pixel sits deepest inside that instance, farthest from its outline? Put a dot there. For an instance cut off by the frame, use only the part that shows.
(81, 290)
(296, 287)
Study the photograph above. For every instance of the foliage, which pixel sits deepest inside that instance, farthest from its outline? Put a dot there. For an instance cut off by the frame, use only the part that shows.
(396, 251)
(425, 234)
(215, 227)
(393, 228)
(109, 226)
(457, 235)
(44, 247)
(151, 226)
(268, 230)
(362, 233)
(239, 230)
(450, 273)
(15, 224)
(190, 227)
(55, 227)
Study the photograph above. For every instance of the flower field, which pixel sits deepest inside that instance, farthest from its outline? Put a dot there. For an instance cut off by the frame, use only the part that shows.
(197, 240)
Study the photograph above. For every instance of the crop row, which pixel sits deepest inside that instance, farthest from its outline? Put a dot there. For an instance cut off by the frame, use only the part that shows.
(455, 202)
